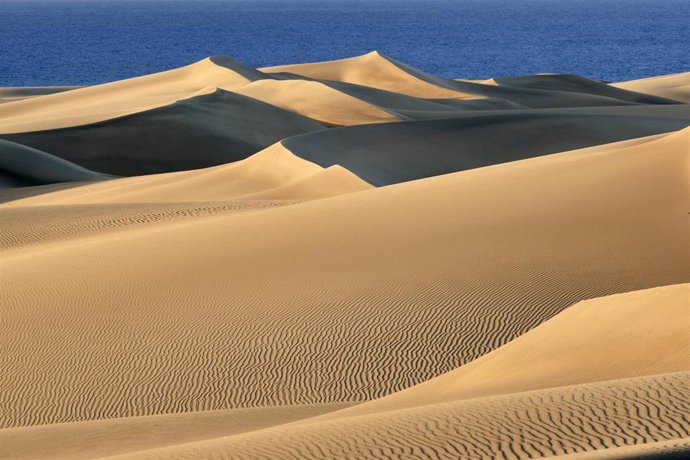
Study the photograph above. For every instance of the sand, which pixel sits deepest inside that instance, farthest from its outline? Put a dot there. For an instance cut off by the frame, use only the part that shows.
(102, 102)
(524, 425)
(676, 86)
(374, 70)
(316, 101)
(349, 259)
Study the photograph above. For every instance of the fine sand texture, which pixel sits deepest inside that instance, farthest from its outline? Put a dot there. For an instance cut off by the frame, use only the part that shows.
(481, 278)
(517, 426)
(345, 259)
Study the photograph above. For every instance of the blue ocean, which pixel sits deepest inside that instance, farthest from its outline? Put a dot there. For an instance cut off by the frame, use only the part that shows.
(56, 42)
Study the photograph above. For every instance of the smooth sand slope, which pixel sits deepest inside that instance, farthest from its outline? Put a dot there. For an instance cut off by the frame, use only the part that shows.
(316, 101)
(675, 86)
(318, 302)
(273, 173)
(10, 94)
(102, 102)
(372, 70)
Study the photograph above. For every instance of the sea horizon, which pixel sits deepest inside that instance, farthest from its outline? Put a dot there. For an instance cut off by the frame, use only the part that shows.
(84, 42)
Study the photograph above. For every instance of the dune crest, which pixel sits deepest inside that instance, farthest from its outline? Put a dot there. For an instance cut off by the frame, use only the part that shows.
(374, 70)
(110, 100)
(267, 173)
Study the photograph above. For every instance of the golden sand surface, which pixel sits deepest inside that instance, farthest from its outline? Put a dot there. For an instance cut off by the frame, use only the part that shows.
(676, 86)
(276, 308)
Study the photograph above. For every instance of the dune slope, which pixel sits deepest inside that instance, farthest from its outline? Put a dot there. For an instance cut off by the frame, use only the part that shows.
(345, 259)
(614, 337)
(373, 70)
(275, 173)
(202, 131)
(397, 152)
(228, 316)
(676, 86)
(518, 426)
(95, 439)
(110, 100)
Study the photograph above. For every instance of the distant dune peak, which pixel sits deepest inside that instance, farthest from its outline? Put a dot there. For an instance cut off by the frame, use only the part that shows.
(246, 71)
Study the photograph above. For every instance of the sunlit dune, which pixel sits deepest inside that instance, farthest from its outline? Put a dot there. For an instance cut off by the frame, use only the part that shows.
(345, 259)
(676, 86)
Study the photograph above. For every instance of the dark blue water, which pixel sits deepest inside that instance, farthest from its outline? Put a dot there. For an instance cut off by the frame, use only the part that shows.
(83, 42)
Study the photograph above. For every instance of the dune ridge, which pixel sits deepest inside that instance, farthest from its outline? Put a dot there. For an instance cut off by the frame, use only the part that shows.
(109, 100)
(371, 69)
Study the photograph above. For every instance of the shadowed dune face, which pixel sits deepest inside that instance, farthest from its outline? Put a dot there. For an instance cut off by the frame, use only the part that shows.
(194, 133)
(346, 259)
(23, 166)
(577, 84)
(393, 153)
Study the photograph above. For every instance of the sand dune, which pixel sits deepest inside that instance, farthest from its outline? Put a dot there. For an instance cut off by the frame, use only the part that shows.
(673, 449)
(316, 101)
(416, 108)
(85, 440)
(519, 426)
(10, 94)
(537, 91)
(399, 152)
(603, 410)
(676, 86)
(615, 337)
(102, 102)
(373, 70)
(274, 173)
(216, 304)
(202, 131)
(577, 84)
(23, 166)
(345, 259)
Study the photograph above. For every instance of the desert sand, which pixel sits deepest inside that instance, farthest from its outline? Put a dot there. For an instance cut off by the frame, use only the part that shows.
(676, 86)
(346, 259)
